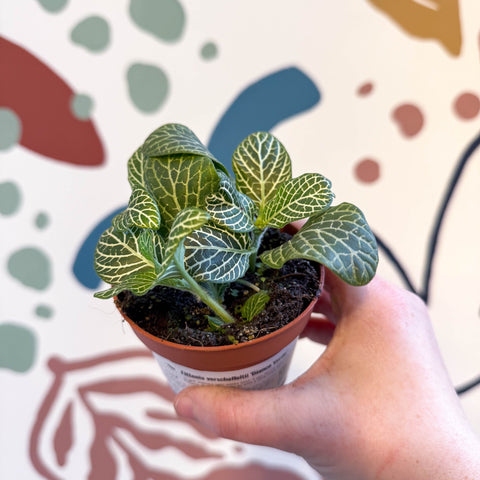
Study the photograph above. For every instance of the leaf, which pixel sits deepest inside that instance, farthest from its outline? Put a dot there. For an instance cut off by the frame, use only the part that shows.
(254, 305)
(216, 254)
(174, 138)
(338, 238)
(118, 256)
(135, 169)
(297, 199)
(138, 284)
(261, 164)
(142, 211)
(186, 222)
(177, 182)
(231, 208)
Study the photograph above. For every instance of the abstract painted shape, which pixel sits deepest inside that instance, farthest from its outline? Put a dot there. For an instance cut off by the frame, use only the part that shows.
(251, 472)
(262, 106)
(209, 51)
(81, 106)
(41, 99)
(148, 86)
(83, 264)
(18, 347)
(42, 220)
(31, 267)
(53, 6)
(365, 89)
(10, 128)
(92, 33)
(409, 119)
(100, 389)
(63, 438)
(435, 19)
(164, 19)
(367, 170)
(10, 198)
(44, 311)
(467, 106)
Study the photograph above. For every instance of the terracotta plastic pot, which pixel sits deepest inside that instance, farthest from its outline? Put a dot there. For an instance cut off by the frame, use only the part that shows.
(257, 364)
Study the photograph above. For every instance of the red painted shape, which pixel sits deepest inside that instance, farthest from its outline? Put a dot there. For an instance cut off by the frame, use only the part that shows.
(41, 100)
(409, 118)
(63, 436)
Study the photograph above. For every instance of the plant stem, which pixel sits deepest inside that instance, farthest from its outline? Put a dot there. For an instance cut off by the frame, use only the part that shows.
(257, 240)
(241, 281)
(201, 293)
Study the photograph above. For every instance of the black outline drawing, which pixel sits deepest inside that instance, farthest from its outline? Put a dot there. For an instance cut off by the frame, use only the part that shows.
(424, 290)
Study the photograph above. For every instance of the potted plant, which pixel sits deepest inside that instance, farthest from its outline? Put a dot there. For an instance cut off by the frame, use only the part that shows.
(192, 237)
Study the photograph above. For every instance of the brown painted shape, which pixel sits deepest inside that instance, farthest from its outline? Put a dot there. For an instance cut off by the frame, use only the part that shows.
(441, 23)
(467, 106)
(42, 102)
(103, 464)
(409, 119)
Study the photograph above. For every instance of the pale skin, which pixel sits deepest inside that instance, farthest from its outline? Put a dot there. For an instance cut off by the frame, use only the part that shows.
(377, 404)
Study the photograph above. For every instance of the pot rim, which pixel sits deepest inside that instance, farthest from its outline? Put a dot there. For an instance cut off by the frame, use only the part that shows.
(190, 348)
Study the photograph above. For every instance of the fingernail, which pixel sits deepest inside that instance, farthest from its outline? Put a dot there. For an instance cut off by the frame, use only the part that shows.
(184, 406)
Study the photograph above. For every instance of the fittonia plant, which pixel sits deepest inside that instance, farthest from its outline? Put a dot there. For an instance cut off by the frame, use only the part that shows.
(190, 226)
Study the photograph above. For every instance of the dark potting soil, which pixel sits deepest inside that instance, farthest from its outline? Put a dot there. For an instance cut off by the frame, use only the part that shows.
(180, 317)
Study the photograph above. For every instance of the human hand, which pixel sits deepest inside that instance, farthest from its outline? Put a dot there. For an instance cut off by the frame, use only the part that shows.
(377, 404)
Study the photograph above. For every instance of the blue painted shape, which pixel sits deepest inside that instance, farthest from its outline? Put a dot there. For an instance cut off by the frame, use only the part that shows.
(83, 265)
(260, 107)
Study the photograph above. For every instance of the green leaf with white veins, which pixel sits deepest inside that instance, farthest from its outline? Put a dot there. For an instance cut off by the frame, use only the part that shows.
(174, 139)
(216, 254)
(261, 164)
(231, 208)
(142, 211)
(135, 169)
(338, 238)
(179, 181)
(119, 255)
(298, 198)
(186, 222)
(254, 305)
(138, 284)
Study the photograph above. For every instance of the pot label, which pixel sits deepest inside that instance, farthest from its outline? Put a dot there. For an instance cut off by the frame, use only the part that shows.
(269, 374)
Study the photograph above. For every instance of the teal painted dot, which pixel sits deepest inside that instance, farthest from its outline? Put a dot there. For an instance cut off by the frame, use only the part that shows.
(31, 267)
(53, 6)
(17, 347)
(93, 33)
(42, 220)
(81, 106)
(44, 311)
(10, 128)
(148, 86)
(165, 19)
(209, 51)
(10, 198)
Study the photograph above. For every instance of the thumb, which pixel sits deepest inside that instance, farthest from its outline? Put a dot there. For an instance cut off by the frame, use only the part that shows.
(262, 417)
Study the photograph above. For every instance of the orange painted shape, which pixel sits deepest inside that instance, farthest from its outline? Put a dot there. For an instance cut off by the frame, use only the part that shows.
(436, 19)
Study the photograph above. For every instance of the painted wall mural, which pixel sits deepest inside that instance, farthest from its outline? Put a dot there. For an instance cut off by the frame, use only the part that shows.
(436, 19)
(380, 96)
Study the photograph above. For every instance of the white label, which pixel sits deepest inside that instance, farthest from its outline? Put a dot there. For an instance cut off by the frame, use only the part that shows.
(269, 374)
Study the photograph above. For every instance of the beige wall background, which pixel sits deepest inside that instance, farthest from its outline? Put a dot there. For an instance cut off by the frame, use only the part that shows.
(381, 97)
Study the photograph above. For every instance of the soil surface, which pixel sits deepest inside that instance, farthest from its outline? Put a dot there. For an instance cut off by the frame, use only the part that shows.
(180, 317)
